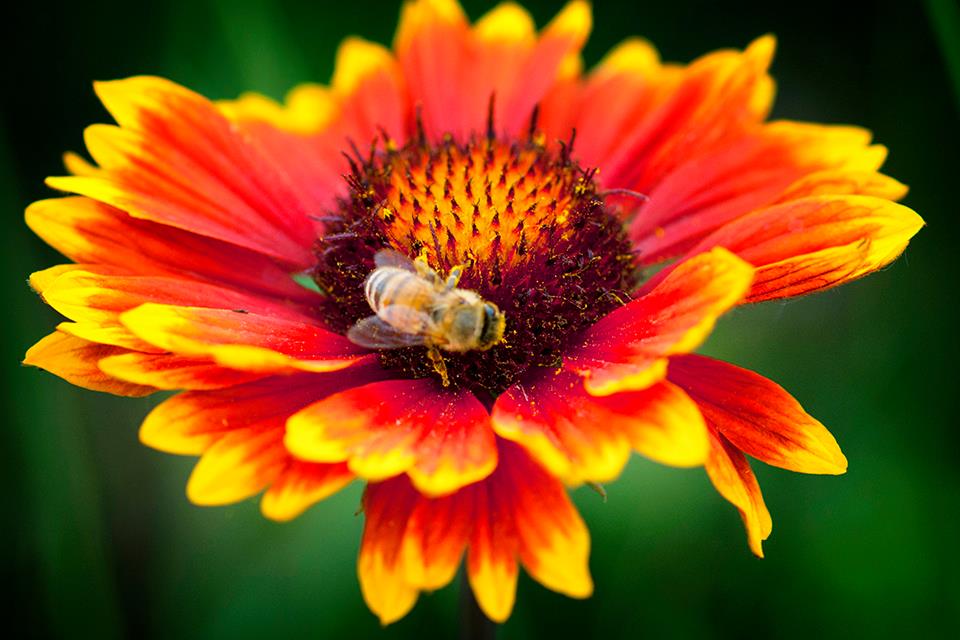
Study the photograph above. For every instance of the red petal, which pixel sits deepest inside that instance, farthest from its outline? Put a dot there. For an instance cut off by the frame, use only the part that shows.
(580, 437)
(87, 231)
(239, 340)
(758, 416)
(441, 438)
(369, 86)
(435, 539)
(607, 106)
(175, 159)
(431, 43)
(494, 547)
(534, 74)
(300, 485)
(241, 463)
(95, 296)
(239, 432)
(412, 542)
(627, 349)
(731, 475)
(716, 99)
(501, 57)
(387, 507)
(190, 422)
(838, 182)
(748, 173)
(173, 372)
(530, 508)
(75, 361)
(817, 242)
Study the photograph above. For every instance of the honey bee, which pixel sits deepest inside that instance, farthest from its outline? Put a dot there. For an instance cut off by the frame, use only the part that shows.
(414, 306)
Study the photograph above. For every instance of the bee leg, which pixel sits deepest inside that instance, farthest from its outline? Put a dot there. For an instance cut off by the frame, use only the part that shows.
(454, 277)
(424, 270)
(436, 358)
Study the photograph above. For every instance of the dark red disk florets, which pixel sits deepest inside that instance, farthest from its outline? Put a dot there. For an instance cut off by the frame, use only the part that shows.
(528, 225)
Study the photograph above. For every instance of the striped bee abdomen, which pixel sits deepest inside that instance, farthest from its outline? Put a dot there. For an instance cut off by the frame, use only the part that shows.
(388, 286)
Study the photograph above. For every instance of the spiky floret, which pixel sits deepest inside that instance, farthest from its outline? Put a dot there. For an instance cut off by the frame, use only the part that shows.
(527, 223)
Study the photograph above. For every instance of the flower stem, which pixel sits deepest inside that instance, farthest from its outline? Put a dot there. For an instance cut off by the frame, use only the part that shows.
(474, 625)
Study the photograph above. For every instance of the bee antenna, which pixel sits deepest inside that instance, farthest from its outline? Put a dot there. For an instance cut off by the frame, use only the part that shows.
(625, 192)
(339, 236)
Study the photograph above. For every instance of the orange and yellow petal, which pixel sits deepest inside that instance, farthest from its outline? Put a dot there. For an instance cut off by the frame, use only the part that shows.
(605, 106)
(839, 182)
(492, 563)
(371, 90)
(751, 172)
(714, 100)
(441, 438)
(552, 540)
(564, 428)
(94, 297)
(239, 431)
(238, 339)
(434, 540)
(297, 138)
(519, 515)
(627, 349)
(239, 464)
(730, 473)
(308, 109)
(76, 361)
(662, 423)
(758, 416)
(172, 372)
(304, 136)
(386, 508)
(176, 160)
(816, 242)
(560, 41)
(300, 485)
(502, 38)
(188, 423)
(430, 43)
(91, 232)
(500, 58)
(246, 461)
(580, 437)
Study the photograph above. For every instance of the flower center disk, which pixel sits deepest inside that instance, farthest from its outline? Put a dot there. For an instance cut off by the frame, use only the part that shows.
(526, 223)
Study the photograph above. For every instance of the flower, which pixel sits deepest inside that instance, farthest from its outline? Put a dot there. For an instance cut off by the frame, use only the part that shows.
(217, 250)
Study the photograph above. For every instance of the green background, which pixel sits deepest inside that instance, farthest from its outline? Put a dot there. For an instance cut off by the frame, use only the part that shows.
(99, 540)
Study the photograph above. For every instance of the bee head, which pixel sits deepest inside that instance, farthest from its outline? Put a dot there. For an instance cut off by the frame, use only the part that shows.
(494, 323)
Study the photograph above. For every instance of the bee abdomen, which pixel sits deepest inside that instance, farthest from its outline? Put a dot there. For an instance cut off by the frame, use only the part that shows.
(387, 286)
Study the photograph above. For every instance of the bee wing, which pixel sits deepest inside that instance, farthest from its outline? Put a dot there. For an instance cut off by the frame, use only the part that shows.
(411, 320)
(373, 333)
(395, 259)
(392, 258)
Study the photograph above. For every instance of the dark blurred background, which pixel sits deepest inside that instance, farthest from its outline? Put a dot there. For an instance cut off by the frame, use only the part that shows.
(99, 540)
